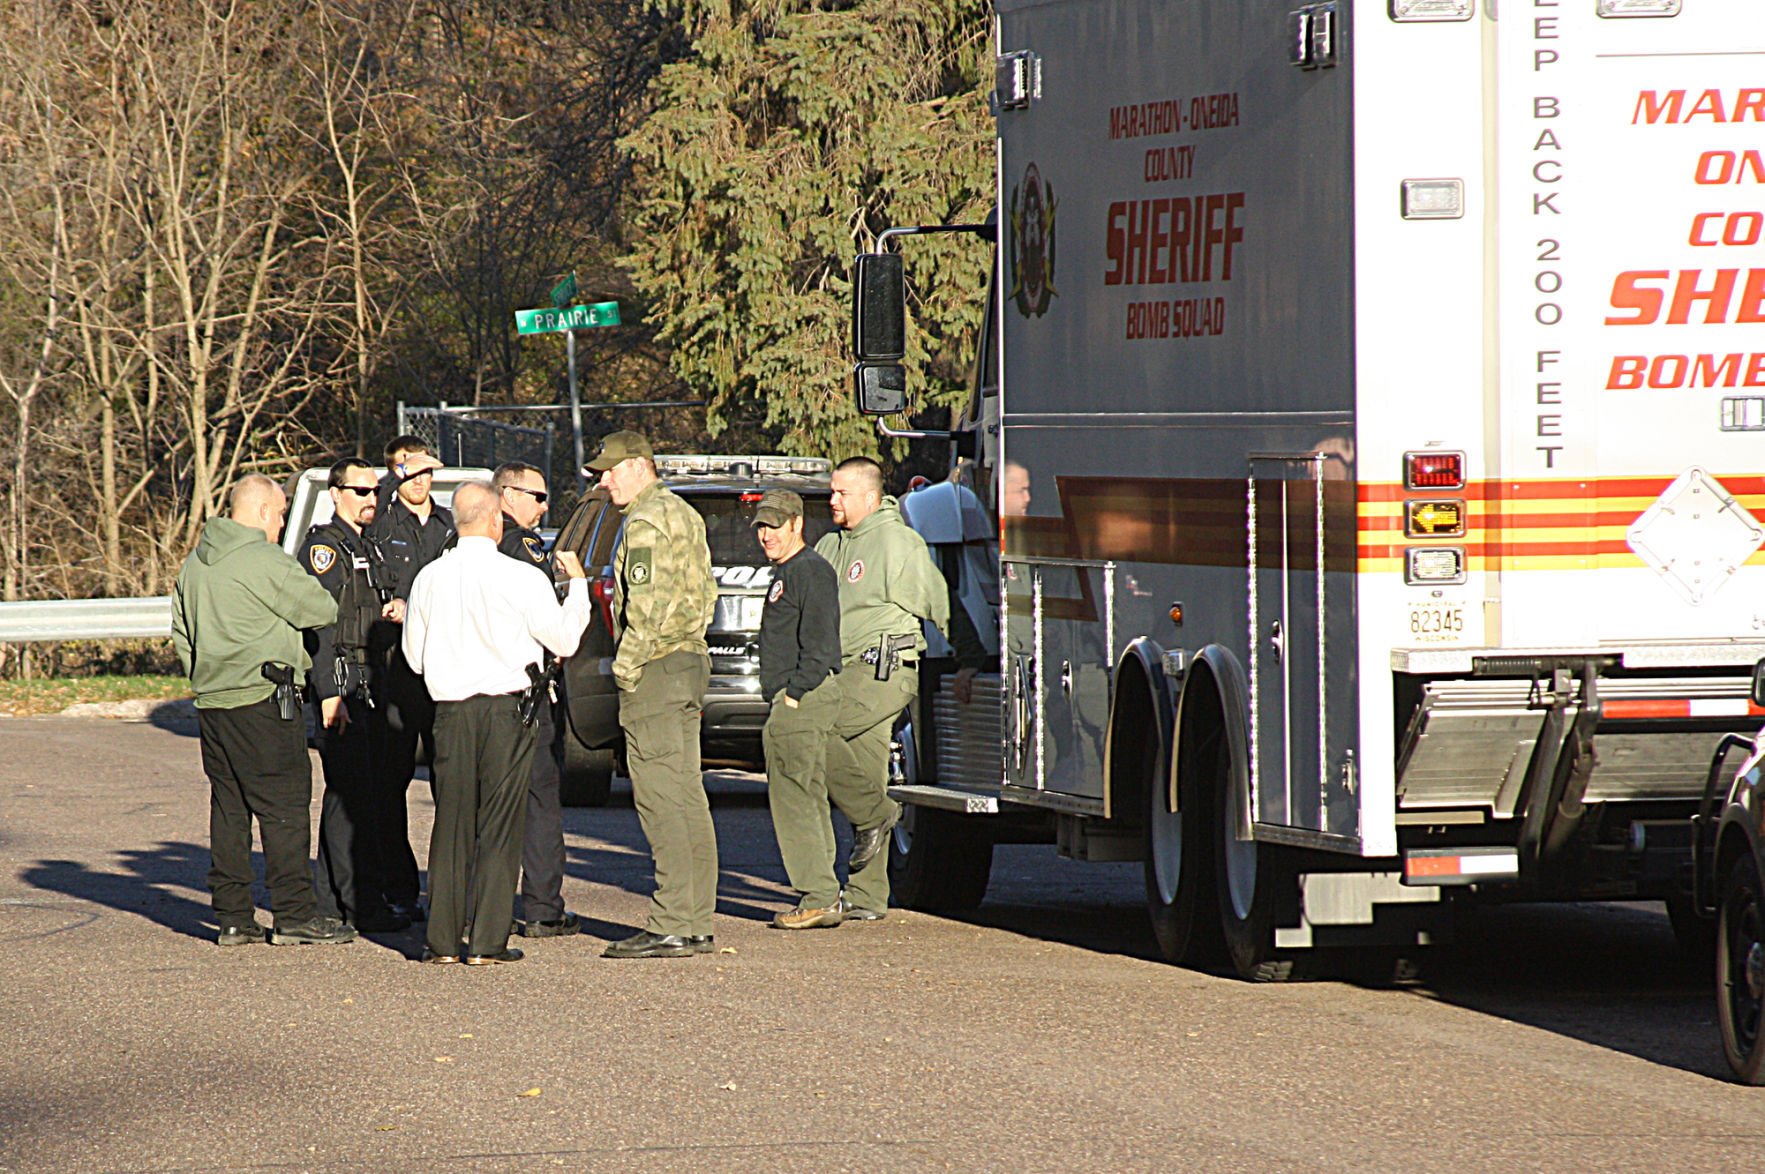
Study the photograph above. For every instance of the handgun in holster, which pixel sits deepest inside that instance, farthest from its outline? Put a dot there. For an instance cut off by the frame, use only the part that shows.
(886, 656)
(288, 694)
(536, 688)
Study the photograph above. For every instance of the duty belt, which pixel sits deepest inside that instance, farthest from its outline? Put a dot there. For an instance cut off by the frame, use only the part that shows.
(887, 656)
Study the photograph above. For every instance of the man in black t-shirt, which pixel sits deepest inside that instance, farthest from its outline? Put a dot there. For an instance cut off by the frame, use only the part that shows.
(799, 675)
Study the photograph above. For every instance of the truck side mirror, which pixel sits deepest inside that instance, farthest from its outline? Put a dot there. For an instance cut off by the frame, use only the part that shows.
(881, 388)
(1759, 683)
(879, 309)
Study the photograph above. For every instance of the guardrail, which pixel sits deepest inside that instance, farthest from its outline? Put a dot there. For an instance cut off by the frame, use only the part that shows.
(85, 619)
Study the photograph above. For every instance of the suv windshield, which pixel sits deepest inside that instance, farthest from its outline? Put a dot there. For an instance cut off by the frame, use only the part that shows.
(729, 525)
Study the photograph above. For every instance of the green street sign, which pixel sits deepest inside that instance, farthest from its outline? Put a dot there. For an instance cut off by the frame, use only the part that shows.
(572, 318)
(564, 292)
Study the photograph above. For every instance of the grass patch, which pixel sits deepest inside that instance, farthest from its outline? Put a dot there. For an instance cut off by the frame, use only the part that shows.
(31, 698)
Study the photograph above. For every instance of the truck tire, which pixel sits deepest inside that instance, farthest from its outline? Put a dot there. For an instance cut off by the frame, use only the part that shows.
(939, 861)
(1179, 858)
(1253, 880)
(586, 776)
(1740, 971)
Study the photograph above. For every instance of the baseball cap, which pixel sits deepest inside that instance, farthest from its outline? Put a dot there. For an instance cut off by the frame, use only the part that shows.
(777, 506)
(620, 446)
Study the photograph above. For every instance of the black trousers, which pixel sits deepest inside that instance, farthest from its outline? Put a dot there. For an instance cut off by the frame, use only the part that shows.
(359, 804)
(483, 755)
(257, 767)
(542, 847)
(409, 719)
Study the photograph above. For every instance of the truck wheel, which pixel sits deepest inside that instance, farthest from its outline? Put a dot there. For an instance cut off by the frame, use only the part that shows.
(586, 779)
(1740, 972)
(1179, 863)
(1253, 879)
(939, 861)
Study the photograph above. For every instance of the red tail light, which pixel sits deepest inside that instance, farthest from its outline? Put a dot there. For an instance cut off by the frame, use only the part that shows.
(1433, 470)
(602, 591)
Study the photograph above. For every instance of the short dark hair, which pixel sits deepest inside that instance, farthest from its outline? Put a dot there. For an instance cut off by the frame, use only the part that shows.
(342, 469)
(871, 471)
(509, 472)
(404, 442)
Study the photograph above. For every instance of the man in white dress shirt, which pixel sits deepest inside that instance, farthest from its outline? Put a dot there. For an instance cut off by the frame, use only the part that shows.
(476, 621)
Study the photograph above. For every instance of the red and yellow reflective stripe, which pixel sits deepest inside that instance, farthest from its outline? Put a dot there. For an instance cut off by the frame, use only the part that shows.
(1572, 524)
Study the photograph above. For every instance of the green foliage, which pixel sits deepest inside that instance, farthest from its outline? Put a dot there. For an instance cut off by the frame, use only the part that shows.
(791, 135)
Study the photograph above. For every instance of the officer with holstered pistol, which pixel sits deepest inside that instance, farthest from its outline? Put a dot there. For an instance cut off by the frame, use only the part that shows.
(888, 586)
(475, 629)
(348, 684)
(237, 615)
(521, 493)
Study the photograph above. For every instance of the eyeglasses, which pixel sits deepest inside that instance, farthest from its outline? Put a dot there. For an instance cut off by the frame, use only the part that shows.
(359, 490)
(538, 495)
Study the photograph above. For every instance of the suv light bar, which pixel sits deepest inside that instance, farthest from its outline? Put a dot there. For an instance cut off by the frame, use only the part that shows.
(707, 465)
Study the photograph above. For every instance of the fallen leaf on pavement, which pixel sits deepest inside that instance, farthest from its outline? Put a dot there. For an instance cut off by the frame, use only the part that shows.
(532, 1092)
(730, 1086)
(444, 1059)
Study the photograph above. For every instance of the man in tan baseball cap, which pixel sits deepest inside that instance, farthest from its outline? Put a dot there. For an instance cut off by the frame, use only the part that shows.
(617, 447)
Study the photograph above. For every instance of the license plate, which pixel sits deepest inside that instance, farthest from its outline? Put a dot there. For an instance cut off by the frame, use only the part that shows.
(1436, 623)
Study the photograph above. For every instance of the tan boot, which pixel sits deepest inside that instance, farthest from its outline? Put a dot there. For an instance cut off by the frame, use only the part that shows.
(801, 918)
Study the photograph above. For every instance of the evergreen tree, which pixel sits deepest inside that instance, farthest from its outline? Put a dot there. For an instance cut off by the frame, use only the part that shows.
(789, 136)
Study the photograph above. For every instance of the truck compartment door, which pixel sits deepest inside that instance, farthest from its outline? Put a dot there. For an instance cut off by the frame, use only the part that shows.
(1302, 771)
(1059, 631)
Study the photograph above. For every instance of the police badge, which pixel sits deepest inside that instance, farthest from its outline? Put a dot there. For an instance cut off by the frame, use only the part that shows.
(322, 558)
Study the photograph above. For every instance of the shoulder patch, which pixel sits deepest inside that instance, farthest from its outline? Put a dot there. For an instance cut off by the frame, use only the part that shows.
(638, 566)
(777, 592)
(535, 548)
(322, 557)
(855, 572)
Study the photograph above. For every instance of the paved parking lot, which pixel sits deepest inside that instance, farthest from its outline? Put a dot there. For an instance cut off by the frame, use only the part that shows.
(1038, 1034)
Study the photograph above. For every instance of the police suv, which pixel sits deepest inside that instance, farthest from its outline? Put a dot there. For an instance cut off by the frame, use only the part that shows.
(724, 489)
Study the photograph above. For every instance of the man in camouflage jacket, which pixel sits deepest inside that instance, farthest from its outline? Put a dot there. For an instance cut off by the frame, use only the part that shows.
(663, 598)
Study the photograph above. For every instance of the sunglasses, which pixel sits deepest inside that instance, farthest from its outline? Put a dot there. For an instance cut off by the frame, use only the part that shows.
(359, 490)
(538, 495)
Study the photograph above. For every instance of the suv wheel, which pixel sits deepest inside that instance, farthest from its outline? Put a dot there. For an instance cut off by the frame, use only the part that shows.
(587, 776)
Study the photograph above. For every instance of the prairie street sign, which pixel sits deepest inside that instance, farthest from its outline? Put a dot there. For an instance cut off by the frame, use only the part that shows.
(570, 318)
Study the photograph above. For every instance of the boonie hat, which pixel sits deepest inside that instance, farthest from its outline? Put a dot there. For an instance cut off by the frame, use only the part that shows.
(620, 446)
(777, 506)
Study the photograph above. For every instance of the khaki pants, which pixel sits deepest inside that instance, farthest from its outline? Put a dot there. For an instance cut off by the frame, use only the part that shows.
(796, 775)
(858, 764)
(661, 722)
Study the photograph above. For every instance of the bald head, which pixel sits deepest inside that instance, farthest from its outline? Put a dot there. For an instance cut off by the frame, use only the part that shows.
(258, 502)
(476, 512)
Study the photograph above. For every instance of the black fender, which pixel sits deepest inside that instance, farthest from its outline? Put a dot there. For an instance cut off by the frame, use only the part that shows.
(1217, 675)
(1141, 690)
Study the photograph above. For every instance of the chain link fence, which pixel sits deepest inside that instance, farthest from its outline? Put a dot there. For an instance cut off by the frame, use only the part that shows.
(462, 438)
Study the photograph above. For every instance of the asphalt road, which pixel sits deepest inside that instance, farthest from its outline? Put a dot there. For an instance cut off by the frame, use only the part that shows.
(1039, 1034)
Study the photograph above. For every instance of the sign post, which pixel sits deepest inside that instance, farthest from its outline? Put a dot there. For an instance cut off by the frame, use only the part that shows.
(567, 319)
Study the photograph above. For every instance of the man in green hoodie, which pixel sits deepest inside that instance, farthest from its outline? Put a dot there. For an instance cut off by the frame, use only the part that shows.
(888, 587)
(238, 612)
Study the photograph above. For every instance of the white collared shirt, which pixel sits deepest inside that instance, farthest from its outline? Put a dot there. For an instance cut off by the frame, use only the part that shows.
(477, 618)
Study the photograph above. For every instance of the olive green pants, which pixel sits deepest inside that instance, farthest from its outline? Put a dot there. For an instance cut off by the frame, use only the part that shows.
(858, 764)
(661, 719)
(796, 775)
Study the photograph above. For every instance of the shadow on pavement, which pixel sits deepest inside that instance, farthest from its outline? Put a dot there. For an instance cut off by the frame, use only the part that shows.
(1607, 974)
(148, 888)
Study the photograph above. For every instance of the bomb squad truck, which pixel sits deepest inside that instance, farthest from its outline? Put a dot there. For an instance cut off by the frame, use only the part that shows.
(1371, 419)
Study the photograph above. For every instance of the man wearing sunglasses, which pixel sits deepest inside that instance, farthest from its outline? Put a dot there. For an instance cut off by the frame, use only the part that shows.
(347, 683)
(520, 491)
(409, 530)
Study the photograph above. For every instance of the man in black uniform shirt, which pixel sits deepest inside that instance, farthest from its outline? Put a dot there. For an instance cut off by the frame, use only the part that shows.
(410, 531)
(799, 675)
(520, 490)
(347, 679)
